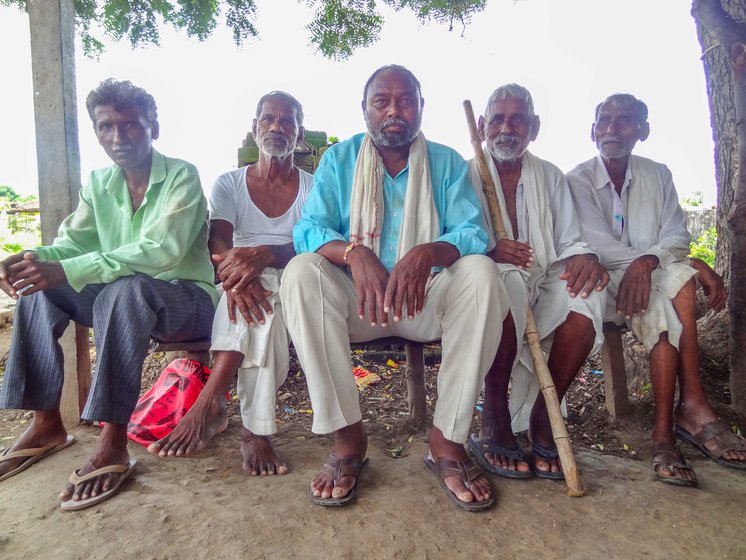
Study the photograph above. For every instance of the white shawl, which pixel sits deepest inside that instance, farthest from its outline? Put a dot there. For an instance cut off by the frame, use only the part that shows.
(420, 222)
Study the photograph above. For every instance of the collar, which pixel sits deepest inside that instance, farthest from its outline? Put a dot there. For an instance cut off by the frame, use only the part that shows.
(157, 172)
(601, 177)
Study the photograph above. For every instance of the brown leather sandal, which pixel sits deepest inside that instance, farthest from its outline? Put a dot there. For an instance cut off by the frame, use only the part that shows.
(670, 457)
(716, 433)
(465, 471)
(335, 468)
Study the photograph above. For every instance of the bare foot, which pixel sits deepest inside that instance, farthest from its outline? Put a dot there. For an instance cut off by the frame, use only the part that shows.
(204, 420)
(46, 430)
(259, 457)
(111, 449)
(440, 448)
(350, 441)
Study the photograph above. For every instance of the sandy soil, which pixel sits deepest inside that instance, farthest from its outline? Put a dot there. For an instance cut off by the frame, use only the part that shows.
(207, 507)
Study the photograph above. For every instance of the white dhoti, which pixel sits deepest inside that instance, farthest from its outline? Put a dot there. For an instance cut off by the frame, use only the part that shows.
(465, 306)
(265, 356)
(660, 315)
(551, 306)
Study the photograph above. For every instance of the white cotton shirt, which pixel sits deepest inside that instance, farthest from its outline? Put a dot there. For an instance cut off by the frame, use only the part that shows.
(230, 201)
(608, 220)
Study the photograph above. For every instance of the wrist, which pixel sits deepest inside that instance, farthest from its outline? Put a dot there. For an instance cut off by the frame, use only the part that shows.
(348, 249)
(651, 262)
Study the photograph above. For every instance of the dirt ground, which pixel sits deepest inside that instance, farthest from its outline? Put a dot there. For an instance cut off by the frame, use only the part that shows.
(207, 507)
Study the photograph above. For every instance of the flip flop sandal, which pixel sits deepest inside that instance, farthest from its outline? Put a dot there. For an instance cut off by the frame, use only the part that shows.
(546, 454)
(123, 470)
(725, 440)
(478, 447)
(669, 456)
(465, 471)
(32, 454)
(335, 468)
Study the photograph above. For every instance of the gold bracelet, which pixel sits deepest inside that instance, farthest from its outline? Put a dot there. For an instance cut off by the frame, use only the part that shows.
(349, 248)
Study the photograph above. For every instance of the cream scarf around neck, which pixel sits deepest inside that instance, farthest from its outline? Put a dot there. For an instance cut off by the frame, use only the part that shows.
(419, 223)
(540, 220)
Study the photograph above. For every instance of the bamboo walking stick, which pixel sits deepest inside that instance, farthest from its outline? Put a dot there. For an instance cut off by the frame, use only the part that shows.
(559, 431)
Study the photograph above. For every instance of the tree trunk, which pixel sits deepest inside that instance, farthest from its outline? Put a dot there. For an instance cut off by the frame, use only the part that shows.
(722, 33)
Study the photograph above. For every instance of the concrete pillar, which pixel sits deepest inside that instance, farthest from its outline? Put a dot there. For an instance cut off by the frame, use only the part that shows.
(57, 151)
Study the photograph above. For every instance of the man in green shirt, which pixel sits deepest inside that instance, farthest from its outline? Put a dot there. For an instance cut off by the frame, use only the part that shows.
(132, 262)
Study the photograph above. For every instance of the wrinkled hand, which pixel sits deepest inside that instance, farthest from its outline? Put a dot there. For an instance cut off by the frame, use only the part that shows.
(251, 303)
(28, 276)
(240, 265)
(712, 285)
(512, 252)
(6, 284)
(634, 289)
(371, 278)
(584, 274)
(408, 281)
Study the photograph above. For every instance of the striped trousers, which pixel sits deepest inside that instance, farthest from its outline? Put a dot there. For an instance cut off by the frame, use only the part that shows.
(124, 315)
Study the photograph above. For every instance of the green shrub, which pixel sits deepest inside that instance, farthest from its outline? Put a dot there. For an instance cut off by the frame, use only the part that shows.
(704, 246)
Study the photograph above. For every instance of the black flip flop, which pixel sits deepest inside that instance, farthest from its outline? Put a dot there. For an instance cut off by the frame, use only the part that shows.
(546, 454)
(478, 447)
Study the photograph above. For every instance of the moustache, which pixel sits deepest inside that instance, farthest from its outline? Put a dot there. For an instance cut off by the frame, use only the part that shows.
(507, 139)
(394, 121)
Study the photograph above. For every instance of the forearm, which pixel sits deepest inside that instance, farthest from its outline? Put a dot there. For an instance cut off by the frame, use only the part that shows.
(443, 254)
(333, 251)
(281, 254)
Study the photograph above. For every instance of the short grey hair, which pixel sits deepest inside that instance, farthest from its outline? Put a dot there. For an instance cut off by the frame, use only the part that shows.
(513, 91)
(617, 99)
(297, 107)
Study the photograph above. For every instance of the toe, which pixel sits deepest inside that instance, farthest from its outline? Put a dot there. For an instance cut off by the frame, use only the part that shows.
(344, 486)
(459, 488)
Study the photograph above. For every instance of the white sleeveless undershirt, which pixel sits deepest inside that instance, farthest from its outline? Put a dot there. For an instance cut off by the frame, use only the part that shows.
(230, 201)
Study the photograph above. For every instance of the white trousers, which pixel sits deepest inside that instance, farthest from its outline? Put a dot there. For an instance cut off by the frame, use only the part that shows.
(660, 315)
(465, 306)
(265, 351)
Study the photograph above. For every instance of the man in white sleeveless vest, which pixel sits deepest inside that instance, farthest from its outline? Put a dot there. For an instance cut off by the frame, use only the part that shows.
(545, 265)
(630, 215)
(394, 208)
(252, 213)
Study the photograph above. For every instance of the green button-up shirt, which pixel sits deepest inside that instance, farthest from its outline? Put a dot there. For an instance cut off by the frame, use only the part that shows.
(166, 237)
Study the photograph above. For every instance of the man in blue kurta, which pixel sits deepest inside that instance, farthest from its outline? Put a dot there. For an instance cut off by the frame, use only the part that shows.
(391, 243)
(132, 263)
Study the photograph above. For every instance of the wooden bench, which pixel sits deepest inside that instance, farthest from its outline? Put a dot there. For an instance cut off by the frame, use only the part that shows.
(415, 373)
(615, 375)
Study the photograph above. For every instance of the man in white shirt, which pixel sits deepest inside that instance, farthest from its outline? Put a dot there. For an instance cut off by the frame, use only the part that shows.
(545, 265)
(252, 213)
(630, 215)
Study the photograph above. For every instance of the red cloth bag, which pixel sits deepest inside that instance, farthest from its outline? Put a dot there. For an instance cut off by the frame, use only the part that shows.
(168, 400)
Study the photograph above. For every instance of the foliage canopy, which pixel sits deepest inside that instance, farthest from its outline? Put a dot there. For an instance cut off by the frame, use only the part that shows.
(338, 27)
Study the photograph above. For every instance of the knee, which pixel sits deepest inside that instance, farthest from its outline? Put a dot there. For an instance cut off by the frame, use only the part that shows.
(479, 270)
(300, 269)
(122, 291)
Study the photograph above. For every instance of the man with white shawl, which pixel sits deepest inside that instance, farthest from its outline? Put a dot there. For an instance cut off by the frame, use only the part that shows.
(543, 263)
(630, 215)
(401, 213)
(252, 213)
